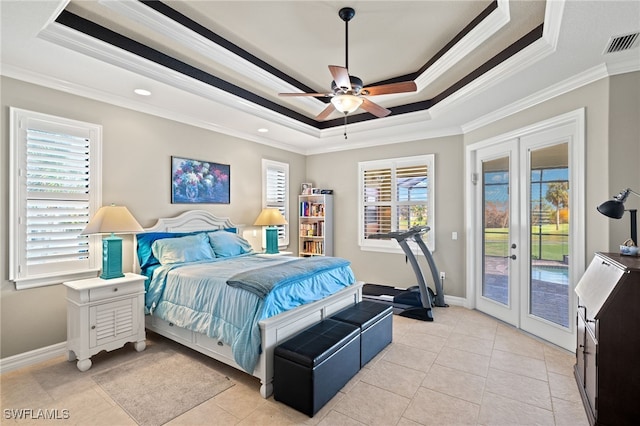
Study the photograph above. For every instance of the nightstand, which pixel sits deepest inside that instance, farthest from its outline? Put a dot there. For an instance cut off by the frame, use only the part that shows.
(104, 315)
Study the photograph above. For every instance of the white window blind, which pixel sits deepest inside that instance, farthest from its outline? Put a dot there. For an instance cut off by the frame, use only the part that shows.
(55, 191)
(275, 193)
(396, 194)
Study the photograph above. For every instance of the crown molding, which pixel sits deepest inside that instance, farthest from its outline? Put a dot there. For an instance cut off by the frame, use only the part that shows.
(589, 76)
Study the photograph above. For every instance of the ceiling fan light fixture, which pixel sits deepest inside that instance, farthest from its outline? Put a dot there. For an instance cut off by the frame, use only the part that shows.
(346, 103)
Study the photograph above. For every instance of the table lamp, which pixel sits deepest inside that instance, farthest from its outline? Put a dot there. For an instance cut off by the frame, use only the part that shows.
(270, 217)
(615, 209)
(112, 220)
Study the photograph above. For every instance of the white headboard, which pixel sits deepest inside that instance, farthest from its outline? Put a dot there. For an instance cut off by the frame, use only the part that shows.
(190, 221)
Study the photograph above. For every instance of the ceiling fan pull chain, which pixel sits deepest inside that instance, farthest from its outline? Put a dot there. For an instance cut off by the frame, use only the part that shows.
(345, 125)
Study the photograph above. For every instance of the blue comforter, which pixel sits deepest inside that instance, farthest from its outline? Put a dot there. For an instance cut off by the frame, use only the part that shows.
(196, 296)
(263, 280)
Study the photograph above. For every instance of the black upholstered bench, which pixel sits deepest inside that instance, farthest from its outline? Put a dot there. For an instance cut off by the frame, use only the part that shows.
(310, 368)
(375, 321)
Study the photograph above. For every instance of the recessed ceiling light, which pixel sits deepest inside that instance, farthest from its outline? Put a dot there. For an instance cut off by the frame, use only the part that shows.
(263, 130)
(142, 92)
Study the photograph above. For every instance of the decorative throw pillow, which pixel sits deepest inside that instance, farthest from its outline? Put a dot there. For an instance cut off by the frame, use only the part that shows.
(228, 244)
(191, 248)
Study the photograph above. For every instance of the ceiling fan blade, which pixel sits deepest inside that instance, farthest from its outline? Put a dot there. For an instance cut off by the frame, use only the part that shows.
(317, 95)
(325, 112)
(385, 89)
(340, 76)
(374, 108)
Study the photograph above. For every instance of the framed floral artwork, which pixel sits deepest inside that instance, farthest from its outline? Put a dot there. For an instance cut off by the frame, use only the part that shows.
(196, 182)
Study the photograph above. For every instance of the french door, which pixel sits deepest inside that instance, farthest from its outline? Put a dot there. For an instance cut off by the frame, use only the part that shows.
(525, 247)
(497, 224)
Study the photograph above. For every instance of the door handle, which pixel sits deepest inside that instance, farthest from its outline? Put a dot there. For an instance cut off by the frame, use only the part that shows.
(513, 256)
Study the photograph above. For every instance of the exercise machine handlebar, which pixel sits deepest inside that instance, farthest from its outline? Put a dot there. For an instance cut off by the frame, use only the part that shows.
(415, 233)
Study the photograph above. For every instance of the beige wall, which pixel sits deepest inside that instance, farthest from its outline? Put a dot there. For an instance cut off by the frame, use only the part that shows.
(137, 150)
(624, 150)
(339, 171)
(612, 108)
(595, 99)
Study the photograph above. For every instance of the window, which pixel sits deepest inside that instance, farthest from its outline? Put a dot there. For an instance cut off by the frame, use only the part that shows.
(275, 193)
(395, 194)
(54, 191)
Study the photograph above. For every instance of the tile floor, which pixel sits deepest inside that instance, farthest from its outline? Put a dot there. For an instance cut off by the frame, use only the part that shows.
(464, 368)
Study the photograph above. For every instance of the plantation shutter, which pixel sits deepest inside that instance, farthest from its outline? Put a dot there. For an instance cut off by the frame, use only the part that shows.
(275, 193)
(377, 201)
(54, 199)
(396, 194)
(57, 198)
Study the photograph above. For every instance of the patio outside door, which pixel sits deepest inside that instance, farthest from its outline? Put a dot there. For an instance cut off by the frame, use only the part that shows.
(522, 234)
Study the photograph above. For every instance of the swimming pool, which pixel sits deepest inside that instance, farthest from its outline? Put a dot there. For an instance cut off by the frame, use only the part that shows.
(550, 274)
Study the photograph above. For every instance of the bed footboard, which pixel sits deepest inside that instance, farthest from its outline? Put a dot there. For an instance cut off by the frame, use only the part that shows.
(273, 331)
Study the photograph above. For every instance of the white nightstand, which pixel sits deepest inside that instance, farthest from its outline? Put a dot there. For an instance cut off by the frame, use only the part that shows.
(104, 315)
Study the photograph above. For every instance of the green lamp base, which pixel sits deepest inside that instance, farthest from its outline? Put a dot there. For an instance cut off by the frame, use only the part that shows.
(111, 257)
(271, 234)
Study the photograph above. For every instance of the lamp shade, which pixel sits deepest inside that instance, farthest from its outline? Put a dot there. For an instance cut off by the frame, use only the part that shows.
(615, 209)
(112, 220)
(346, 103)
(270, 217)
(612, 208)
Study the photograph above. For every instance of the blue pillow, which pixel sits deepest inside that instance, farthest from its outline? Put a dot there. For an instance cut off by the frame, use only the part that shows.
(146, 239)
(228, 244)
(190, 248)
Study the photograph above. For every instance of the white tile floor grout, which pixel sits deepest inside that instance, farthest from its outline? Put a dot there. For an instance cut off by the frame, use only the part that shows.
(465, 368)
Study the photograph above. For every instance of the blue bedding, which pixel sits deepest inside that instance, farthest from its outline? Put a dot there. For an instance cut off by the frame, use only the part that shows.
(196, 296)
(263, 280)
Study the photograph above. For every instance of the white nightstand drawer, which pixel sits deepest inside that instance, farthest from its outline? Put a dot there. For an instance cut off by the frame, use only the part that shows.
(111, 291)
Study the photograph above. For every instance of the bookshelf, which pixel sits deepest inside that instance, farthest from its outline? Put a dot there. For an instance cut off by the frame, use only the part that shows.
(315, 225)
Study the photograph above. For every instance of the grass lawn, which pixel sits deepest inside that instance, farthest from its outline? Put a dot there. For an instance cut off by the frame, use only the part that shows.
(547, 242)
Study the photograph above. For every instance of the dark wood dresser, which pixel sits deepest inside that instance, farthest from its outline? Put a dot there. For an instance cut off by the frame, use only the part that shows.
(608, 351)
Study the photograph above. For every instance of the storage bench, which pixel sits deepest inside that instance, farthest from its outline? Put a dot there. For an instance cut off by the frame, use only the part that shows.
(310, 368)
(375, 321)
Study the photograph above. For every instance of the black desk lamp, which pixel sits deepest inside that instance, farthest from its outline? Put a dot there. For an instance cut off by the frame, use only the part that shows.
(615, 209)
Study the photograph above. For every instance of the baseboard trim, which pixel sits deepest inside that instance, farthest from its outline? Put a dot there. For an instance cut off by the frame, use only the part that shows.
(456, 301)
(35, 356)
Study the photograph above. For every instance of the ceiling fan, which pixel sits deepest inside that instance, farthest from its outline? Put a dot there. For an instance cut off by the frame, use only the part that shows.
(347, 91)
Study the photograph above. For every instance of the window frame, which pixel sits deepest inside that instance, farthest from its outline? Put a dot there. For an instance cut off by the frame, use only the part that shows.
(283, 237)
(20, 121)
(392, 246)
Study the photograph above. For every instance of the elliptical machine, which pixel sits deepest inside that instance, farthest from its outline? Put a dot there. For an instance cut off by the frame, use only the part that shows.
(414, 302)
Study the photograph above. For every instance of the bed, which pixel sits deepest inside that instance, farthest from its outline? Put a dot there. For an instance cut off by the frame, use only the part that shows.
(277, 316)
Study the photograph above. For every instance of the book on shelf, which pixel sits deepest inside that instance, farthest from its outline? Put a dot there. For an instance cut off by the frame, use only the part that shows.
(309, 209)
(313, 247)
(315, 229)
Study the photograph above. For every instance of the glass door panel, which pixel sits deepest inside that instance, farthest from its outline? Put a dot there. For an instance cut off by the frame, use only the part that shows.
(495, 235)
(497, 292)
(549, 234)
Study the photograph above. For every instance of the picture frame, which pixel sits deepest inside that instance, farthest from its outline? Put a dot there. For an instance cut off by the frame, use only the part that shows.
(199, 182)
(306, 188)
